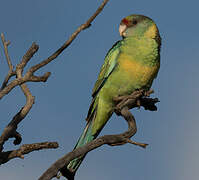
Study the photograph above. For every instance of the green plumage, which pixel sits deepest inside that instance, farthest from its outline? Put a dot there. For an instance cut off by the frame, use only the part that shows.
(130, 64)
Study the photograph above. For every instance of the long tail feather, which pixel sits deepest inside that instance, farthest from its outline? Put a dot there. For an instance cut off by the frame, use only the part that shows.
(96, 112)
(84, 139)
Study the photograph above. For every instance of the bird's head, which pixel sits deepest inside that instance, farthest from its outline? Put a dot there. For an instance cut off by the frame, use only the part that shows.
(138, 26)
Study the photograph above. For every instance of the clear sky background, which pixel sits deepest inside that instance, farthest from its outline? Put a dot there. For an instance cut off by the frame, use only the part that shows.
(61, 104)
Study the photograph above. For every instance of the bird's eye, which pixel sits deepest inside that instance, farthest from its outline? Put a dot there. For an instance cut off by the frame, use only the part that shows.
(134, 22)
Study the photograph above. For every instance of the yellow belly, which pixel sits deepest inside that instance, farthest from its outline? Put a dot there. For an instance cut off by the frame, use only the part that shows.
(138, 71)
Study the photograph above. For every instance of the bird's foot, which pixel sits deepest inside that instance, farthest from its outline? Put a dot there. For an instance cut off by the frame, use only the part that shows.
(148, 93)
(128, 100)
(137, 99)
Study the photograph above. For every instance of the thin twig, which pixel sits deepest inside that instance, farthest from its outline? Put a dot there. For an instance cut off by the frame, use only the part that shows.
(10, 72)
(10, 130)
(25, 149)
(5, 45)
(29, 76)
(19, 70)
(26, 58)
(70, 40)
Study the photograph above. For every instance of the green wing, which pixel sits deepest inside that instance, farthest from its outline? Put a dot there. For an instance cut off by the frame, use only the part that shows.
(107, 68)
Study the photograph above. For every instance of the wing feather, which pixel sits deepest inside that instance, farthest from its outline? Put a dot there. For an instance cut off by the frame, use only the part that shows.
(107, 68)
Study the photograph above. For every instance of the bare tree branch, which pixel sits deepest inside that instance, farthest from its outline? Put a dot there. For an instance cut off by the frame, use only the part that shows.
(26, 58)
(11, 129)
(25, 149)
(29, 76)
(10, 72)
(20, 79)
(112, 140)
(84, 26)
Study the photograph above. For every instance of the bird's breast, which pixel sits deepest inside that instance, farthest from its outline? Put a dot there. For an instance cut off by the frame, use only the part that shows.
(137, 70)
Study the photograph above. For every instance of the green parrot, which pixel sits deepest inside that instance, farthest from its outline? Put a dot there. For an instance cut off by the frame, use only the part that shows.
(131, 64)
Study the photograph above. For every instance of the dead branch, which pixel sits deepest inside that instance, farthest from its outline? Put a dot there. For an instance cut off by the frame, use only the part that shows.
(10, 130)
(84, 26)
(29, 76)
(10, 72)
(134, 100)
(25, 149)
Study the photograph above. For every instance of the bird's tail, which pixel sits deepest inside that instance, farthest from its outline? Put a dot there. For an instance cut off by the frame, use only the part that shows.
(98, 115)
(85, 138)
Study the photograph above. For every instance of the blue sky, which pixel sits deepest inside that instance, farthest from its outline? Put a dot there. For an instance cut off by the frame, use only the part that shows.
(61, 104)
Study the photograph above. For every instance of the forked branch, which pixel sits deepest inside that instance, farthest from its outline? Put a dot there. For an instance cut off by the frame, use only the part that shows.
(10, 130)
(29, 76)
(10, 72)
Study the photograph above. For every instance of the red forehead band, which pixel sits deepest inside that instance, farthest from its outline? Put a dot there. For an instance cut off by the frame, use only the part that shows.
(125, 21)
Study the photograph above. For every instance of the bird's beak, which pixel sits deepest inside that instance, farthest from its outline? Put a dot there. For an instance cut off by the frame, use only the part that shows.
(122, 29)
